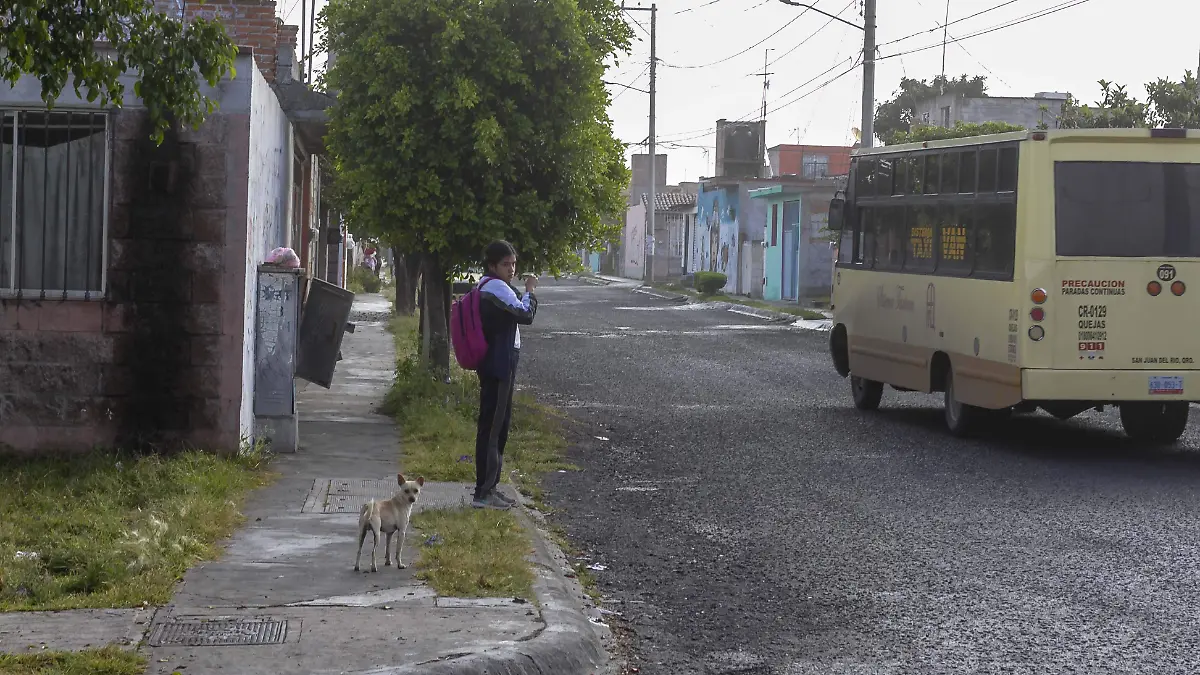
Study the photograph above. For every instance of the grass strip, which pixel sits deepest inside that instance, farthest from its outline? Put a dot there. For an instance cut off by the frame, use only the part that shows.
(474, 553)
(107, 661)
(111, 529)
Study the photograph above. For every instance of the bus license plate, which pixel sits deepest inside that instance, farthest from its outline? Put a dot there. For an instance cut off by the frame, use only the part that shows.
(1166, 384)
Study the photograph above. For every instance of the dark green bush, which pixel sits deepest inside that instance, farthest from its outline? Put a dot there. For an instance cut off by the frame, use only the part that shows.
(709, 283)
(364, 279)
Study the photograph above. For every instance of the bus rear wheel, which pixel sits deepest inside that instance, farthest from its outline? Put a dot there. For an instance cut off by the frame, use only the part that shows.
(961, 418)
(1154, 422)
(867, 393)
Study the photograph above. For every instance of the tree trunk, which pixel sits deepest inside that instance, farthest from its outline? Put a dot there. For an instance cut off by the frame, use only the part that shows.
(407, 269)
(435, 315)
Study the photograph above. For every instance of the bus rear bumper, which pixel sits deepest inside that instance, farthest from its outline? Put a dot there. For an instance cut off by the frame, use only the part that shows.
(1110, 386)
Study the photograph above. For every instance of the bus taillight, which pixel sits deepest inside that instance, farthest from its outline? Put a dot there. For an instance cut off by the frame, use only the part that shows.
(1154, 288)
(1037, 314)
(1038, 296)
(1178, 288)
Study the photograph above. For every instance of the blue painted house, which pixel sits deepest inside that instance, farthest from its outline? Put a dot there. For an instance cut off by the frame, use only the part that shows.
(797, 255)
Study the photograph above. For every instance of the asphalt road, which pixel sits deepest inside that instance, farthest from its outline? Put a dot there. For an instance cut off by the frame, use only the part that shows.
(750, 520)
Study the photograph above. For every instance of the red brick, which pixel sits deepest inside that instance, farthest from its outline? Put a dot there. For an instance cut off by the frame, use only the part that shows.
(209, 225)
(204, 319)
(118, 317)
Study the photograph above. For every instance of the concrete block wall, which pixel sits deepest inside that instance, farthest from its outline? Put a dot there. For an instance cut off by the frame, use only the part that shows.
(143, 366)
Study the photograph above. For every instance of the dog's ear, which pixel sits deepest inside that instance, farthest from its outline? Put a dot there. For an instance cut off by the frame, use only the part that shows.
(421, 481)
(399, 479)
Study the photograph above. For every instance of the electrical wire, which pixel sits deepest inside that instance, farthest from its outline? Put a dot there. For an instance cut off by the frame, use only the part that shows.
(1025, 19)
(627, 87)
(692, 9)
(638, 23)
(734, 56)
(939, 26)
(814, 34)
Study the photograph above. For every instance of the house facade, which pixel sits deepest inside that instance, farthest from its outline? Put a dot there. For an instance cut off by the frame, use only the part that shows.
(1029, 112)
(128, 270)
(797, 244)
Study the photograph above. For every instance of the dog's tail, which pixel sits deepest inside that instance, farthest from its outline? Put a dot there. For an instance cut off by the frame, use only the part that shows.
(369, 509)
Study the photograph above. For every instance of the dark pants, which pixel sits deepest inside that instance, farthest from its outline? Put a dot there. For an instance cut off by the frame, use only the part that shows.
(491, 434)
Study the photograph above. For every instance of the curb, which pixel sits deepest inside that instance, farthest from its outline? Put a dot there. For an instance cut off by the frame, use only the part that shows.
(568, 644)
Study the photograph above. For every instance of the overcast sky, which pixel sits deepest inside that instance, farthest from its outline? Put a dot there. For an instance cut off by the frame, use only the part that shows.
(1068, 51)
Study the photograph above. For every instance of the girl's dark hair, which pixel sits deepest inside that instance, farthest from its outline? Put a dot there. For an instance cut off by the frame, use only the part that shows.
(496, 251)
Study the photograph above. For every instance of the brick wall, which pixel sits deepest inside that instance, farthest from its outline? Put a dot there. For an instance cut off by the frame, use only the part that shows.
(250, 23)
(144, 366)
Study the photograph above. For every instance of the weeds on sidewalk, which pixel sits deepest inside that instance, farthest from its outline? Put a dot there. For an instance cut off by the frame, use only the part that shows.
(438, 420)
(113, 529)
(107, 661)
(477, 553)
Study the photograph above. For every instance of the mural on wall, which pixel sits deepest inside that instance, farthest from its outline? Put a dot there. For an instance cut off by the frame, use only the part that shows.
(715, 246)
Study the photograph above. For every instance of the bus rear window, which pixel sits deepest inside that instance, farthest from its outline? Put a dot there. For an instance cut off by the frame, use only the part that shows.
(1127, 209)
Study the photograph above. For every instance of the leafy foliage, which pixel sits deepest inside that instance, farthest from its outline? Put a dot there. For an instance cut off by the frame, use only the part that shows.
(898, 114)
(961, 130)
(709, 283)
(1169, 104)
(56, 41)
(459, 122)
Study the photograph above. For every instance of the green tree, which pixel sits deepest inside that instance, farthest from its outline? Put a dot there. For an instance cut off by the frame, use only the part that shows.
(56, 41)
(896, 115)
(1115, 109)
(923, 132)
(463, 121)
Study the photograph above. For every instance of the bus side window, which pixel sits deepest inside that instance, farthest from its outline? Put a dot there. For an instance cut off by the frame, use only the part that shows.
(866, 237)
(987, 170)
(966, 173)
(865, 181)
(848, 237)
(932, 168)
(889, 238)
(995, 240)
(1007, 181)
(916, 174)
(900, 175)
(950, 173)
(954, 231)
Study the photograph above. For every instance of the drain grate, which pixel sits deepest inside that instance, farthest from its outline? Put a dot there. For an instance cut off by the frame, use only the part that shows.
(219, 632)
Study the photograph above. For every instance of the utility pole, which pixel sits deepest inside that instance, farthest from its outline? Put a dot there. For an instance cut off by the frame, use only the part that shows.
(766, 82)
(648, 246)
(868, 29)
(312, 40)
(868, 96)
(303, 12)
(945, 34)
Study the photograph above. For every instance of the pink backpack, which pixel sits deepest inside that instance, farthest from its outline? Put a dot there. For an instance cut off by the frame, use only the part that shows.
(466, 329)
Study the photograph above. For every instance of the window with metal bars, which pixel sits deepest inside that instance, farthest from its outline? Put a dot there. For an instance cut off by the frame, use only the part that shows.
(53, 203)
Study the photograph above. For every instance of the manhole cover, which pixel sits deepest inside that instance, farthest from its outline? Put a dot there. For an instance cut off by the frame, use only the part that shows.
(219, 631)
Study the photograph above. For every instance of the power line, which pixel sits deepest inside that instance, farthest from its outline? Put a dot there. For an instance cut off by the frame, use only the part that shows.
(939, 26)
(629, 86)
(733, 56)
(814, 34)
(965, 51)
(692, 9)
(639, 23)
(819, 87)
(1026, 19)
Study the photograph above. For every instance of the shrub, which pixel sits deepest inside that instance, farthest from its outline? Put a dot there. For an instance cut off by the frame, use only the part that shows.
(365, 279)
(708, 283)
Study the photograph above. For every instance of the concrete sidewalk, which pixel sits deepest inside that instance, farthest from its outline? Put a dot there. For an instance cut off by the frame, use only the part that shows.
(284, 596)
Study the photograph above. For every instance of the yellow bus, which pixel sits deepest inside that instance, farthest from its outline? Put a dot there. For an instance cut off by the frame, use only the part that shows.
(1043, 269)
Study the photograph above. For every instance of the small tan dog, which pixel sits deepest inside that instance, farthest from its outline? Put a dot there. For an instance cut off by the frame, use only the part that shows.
(388, 516)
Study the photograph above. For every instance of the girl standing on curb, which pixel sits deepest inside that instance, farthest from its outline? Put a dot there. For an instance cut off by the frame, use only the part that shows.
(500, 311)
